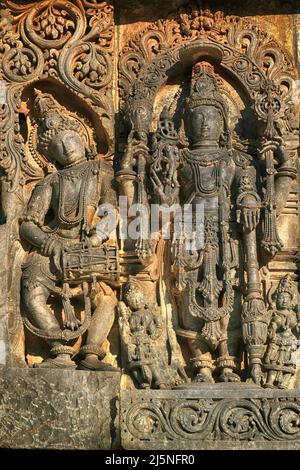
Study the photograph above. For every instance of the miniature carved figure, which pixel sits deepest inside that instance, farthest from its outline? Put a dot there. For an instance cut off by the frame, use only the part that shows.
(284, 328)
(141, 331)
(68, 258)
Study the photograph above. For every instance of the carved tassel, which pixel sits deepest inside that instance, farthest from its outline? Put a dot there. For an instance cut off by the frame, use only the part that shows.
(70, 320)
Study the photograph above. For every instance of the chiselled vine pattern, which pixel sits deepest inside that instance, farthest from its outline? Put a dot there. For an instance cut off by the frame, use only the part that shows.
(71, 42)
(236, 419)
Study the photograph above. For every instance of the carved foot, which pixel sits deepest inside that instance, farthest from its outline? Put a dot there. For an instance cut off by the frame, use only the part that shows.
(228, 376)
(161, 386)
(58, 362)
(144, 386)
(269, 385)
(205, 376)
(283, 386)
(93, 363)
(255, 374)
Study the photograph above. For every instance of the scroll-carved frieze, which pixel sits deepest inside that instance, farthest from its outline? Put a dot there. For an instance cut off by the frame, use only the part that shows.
(179, 422)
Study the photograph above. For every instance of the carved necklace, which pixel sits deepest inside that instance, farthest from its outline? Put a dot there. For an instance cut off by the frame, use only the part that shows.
(204, 158)
(78, 205)
(203, 183)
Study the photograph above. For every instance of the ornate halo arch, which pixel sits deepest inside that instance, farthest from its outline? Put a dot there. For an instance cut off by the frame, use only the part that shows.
(248, 56)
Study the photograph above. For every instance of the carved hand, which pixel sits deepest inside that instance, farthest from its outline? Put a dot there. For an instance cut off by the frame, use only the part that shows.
(159, 189)
(53, 247)
(250, 218)
(272, 330)
(297, 328)
(250, 212)
(96, 240)
(134, 149)
(144, 250)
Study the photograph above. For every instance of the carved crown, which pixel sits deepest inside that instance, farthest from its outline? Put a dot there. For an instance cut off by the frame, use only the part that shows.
(286, 285)
(205, 89)
(50, 118)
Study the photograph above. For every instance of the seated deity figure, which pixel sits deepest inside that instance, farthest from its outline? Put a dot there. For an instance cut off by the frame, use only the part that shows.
(283, 331)
(213, 279)
(58, 224)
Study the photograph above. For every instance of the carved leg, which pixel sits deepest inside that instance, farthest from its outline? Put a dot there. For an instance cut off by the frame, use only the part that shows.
(101, 324)
(226, 363)
(158, 378)
(270, 379)
(202, 363)
(285, 382)
(42, 317)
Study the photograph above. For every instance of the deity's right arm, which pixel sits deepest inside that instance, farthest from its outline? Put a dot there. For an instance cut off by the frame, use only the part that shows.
(33, 220)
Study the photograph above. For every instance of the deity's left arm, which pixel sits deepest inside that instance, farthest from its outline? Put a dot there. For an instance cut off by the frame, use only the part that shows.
(248, 214)
(280, 168)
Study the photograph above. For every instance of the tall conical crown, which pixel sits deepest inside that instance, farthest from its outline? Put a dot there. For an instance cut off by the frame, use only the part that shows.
(205, 89)
(52, 118)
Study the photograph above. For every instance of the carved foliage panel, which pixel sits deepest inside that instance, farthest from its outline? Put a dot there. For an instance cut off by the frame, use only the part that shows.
(67, 42)
(179, 422)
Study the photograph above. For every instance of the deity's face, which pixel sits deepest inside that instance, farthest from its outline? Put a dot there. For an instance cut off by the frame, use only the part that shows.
(205, 124)
(67, 148)
(284, 300)
(135, 299)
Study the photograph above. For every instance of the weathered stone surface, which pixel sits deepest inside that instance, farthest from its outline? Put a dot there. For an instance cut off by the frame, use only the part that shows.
(180, 102)
(58, 409)
(226, 416)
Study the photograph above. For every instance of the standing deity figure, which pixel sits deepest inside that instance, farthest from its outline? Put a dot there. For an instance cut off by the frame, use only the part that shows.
(68, 258)
(220, 280)
(284, 328)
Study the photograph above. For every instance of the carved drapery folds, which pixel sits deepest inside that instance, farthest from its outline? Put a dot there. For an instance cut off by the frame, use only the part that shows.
(207, 119)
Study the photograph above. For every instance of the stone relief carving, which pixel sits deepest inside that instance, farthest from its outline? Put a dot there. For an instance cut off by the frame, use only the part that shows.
(61, 48)
(196, 155)
(204, 119)
(282, 336)
(141, 332)
(68, 258)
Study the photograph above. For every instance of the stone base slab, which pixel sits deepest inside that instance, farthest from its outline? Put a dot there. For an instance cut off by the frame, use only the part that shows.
(59, 409)
(220, 416)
